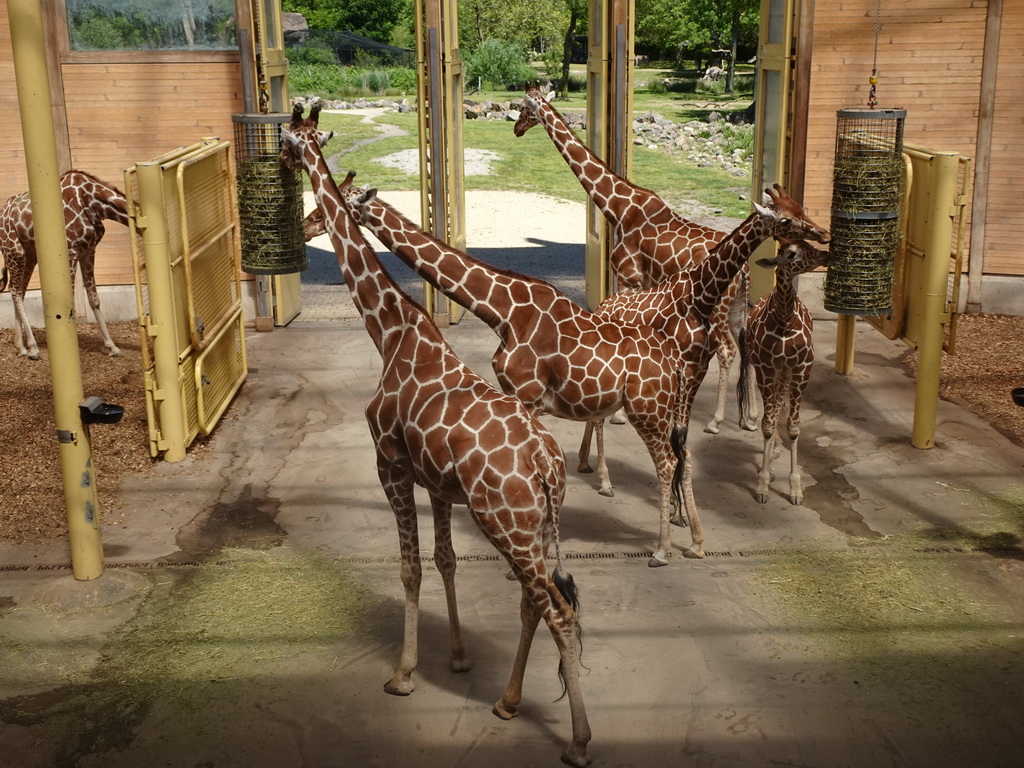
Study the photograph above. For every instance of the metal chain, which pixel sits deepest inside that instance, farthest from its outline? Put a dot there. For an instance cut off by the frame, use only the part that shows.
(874, 63)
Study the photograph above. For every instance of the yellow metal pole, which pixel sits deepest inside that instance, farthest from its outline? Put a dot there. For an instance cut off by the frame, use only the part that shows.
(933, 308)
(161, 302)
(34, 104)
(846, 329)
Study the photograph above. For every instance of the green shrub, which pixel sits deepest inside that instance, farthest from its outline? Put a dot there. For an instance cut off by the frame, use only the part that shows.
(499, 63)
(313, 52)
(315, 79)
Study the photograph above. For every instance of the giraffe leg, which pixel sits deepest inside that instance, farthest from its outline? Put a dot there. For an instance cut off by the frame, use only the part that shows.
(89, 283)
(796, 489)
(400, 494)
(768, 424)
(748, 419)
(24, 339)
(444, 559)
(507, 706)
(584, 452)
(603, 477)
(23, 336)
(726, 353)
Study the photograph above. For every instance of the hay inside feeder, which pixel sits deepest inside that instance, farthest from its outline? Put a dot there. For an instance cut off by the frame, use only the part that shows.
(860, 268)
(270, 210)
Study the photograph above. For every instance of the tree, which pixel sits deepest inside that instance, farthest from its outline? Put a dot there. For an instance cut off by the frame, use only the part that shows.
(375, 19)
(699, 26)
(577, 9)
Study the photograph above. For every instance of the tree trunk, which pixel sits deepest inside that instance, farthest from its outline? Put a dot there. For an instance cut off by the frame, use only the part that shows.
(570, 37)
(734, 37)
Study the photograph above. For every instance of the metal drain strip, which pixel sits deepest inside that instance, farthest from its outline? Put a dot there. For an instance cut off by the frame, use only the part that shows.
(393, 559)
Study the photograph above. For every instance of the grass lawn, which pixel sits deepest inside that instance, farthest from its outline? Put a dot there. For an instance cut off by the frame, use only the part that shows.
(528, 163)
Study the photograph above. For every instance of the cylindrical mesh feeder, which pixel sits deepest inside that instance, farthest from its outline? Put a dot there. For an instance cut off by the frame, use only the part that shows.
(269, 198)
(865, 211)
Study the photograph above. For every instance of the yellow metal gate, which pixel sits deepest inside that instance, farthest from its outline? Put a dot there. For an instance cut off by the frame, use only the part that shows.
(188, 290)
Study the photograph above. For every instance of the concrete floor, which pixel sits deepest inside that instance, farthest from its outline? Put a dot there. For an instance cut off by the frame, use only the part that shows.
(693, 664)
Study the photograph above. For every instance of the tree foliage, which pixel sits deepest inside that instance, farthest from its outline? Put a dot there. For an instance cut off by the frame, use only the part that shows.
(375, 19)
(672, 26)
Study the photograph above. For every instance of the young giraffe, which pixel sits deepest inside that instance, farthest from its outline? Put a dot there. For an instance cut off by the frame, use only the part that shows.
(682, 306)
(777, 345)
(650, 241)
(87, 203)
(559, 358)
(437, 424)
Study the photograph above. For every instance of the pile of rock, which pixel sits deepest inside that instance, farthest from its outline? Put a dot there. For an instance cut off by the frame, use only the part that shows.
(701, 142)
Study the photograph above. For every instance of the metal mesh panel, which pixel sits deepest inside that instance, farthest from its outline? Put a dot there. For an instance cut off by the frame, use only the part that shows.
(269, 198)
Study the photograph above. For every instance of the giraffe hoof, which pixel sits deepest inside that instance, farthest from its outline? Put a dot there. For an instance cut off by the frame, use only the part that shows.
(505, 713)
(761, 498)
(579, 760)
(115, 352)
(584, 469)
(510, 575)
(462, 663)
(796, 501)
(694, 553)
(679, 520)
(749, 427)
(656, 562)
(609, 492)
(712, 428)
(400, 688)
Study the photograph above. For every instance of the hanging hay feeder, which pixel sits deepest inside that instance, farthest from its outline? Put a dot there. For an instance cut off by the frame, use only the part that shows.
(865, 211)
(269, 198)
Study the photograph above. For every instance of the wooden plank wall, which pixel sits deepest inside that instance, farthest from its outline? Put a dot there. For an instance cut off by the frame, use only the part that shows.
(1004, 224)
(929, 62)
(119, 114)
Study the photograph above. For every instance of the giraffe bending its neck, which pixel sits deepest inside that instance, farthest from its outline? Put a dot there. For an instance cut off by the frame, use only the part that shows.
(778, 346)
(682, 306)
(87, 203)
(555, 356)
(650, 241)
(437, 424)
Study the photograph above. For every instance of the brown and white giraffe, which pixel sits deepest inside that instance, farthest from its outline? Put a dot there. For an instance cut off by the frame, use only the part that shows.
(437, 424)
(88, 202)
(778, 347)
(683, 305)
(557, 357)
(650, 241)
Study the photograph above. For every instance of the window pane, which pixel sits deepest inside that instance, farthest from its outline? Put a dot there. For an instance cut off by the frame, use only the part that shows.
(137, 25)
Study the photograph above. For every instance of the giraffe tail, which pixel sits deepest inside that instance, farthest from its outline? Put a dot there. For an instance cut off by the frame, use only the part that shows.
(566, 586)
(742, 387)
(677, 442)
(3, 278)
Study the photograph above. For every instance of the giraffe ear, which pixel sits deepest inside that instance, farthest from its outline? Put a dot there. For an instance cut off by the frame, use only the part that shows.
(761, 209)
(768, 263)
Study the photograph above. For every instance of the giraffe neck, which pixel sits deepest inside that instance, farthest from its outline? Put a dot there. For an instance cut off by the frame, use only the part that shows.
(608, 191)
(102, 200)
(384, 307)
(783, 299)
(484, 290)
(712, 276)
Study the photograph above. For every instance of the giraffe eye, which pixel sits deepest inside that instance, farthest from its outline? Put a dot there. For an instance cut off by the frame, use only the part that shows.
(785, 222)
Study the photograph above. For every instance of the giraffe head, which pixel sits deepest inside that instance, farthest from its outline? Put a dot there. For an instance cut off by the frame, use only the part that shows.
(356, 198)
(787, 217)
(529, 114)
(794, 258)
(299, 133)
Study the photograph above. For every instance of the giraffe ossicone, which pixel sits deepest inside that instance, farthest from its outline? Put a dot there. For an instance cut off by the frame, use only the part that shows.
(88, 202)
(437, 424)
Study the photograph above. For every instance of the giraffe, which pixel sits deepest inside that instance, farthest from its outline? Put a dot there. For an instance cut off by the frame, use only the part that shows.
(777, 345)
(87, 202)
(557, 357)
(682, 306)
(437, 424)
(650, 241)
